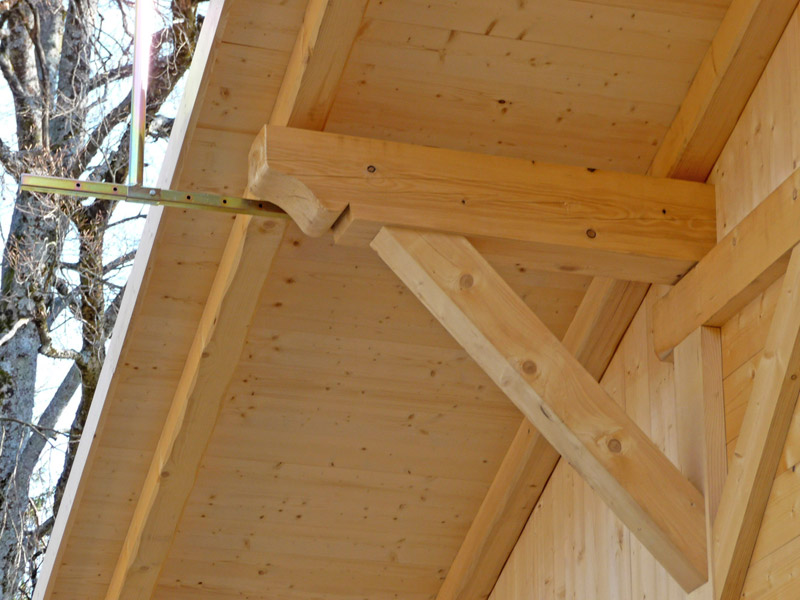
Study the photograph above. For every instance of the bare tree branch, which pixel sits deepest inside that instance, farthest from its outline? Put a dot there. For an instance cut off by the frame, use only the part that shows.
(44, 76)
(127, 220)
(114, 117)
(14, 329)
(8, 74)
(119, 262)
(110, 76)
(10, 159)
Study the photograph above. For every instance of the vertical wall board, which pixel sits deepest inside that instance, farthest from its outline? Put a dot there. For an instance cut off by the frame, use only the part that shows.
(762, 151)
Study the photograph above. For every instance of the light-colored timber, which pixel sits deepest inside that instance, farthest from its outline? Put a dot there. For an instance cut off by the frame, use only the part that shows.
(245, 264)
(593, 336)
(196, 404)
(701, 415)
(668, 225)
(720, 89)
(735, 271)
(287, 192)
(761, 441)
(555, 393)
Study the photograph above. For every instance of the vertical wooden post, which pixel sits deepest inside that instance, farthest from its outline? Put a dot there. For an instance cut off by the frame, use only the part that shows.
(701, 419)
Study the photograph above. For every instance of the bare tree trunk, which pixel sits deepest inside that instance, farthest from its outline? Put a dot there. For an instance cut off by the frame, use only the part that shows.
(33, 244)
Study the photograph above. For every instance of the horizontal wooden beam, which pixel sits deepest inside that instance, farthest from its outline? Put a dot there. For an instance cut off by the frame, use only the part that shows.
(724, 82)
(742, 265)
(565, 403)
(761, 441)
(592, 337)
(628, 226)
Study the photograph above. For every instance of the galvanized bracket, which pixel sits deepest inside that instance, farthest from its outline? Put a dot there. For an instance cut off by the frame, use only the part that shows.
(148, 195)
(135, 191)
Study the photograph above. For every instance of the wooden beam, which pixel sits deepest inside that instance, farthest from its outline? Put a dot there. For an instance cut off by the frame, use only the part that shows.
(701, 418)
(515, 490)
(727, 76)
(601, 321)
(313, 94)
(593, 336)
(212, 358)
(214, 354)
(761, 440)
(644, 489)
(182, 132)
(341, 26)
(632, 226)
(736, 270)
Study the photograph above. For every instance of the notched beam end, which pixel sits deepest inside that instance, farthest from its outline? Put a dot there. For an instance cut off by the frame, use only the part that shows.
(310, 214)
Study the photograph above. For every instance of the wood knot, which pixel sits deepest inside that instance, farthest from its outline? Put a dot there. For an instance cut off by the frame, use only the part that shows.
(615, 445)
(466, 281)
(591, 234)
(529, 367)
(371, 168)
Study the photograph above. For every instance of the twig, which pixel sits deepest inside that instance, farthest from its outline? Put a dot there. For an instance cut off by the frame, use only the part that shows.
(13, 331)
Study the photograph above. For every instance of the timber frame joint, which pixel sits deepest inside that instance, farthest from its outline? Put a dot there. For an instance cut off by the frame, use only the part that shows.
(293, 196)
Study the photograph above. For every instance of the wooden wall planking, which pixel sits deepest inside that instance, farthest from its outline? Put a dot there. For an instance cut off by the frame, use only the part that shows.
(762, 151)
(559, 555)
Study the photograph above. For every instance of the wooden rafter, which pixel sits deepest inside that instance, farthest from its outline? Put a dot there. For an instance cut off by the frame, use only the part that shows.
(219, 340)
(214, 354)
(196, 83)
(635, 227)
(761, 441)
(556, 394)
(736, 270)
(727, 76)
(593, 336)
(321, 81)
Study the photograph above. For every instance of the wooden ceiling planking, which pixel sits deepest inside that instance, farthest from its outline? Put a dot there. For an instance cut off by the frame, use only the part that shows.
(145, 381)
(498, 61)
(336, 307)
(471, 14)
(270, 24)
(324, 456)
(243, 76)
(581, 130)
(586, 83)
(643, 32)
